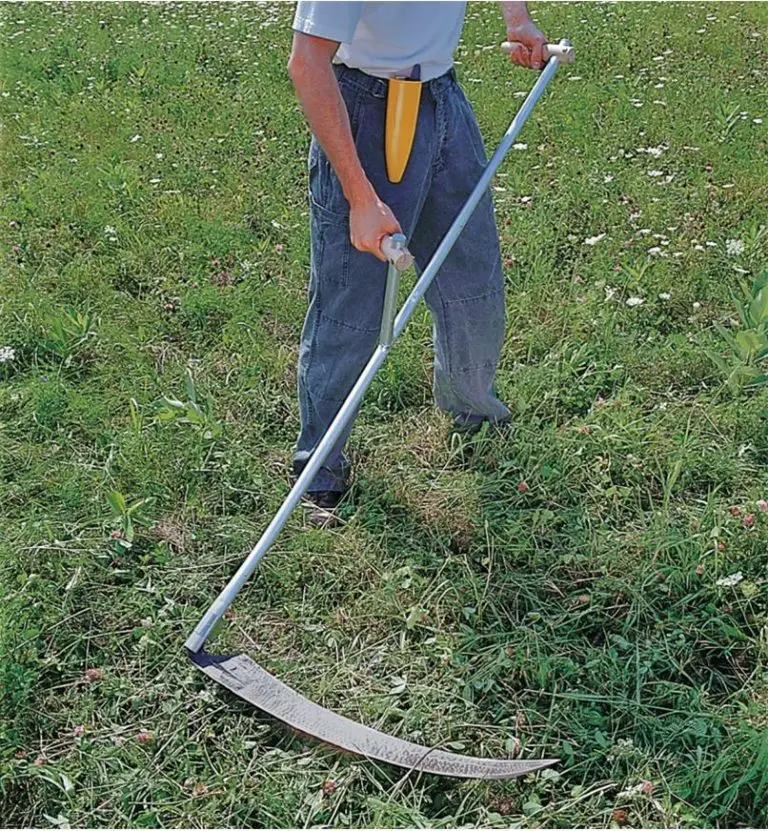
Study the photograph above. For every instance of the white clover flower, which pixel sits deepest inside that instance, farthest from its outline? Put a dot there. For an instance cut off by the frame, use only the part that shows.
(7, 353)
(109, 231)
(635, 301)
(641, 787)
(520, 146)
(734, 247)
(655, 251)
(594, 240)
(731, 580)
(665, 295)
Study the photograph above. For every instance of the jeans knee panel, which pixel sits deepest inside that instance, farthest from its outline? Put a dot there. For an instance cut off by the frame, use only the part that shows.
(487, 296)
(345, 325)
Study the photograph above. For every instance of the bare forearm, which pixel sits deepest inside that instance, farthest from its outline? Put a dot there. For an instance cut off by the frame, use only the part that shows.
(326, 113)
(310, 67)
(515, 13)
(522, 31)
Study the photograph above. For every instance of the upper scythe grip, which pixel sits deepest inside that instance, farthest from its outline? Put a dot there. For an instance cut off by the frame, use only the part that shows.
(563, 51)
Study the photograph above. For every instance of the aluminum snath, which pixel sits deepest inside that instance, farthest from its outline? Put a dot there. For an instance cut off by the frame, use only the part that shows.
(241, 674)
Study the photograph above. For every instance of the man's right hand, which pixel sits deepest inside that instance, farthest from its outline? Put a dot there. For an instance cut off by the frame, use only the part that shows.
(370, 220)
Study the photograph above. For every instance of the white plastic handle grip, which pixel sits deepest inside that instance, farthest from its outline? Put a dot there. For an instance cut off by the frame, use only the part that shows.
(563, 51)
(400, 257)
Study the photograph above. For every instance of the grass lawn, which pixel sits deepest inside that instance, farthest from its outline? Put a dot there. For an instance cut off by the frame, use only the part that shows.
(594, 587)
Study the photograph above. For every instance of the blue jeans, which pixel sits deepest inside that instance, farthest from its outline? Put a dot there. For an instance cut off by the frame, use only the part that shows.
(346, 287)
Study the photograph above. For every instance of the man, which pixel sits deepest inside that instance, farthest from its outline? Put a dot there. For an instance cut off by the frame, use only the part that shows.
(342, 57)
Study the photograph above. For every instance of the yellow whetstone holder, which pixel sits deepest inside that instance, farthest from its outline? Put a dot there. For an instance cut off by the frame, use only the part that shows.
(403, 98)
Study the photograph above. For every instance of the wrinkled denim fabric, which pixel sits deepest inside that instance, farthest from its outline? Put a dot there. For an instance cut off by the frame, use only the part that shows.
(346, 288)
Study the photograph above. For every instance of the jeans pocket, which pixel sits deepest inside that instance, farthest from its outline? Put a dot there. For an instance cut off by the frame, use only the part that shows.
(324, 185)
(472, 135)
(331, 245)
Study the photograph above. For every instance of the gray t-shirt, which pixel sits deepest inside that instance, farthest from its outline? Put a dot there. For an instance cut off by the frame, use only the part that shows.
(387, 38)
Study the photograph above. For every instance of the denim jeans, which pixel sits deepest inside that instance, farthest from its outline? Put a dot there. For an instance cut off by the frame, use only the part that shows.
(346, 287)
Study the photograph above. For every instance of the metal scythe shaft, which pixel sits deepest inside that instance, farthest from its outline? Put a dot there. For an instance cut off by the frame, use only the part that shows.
(389, 333)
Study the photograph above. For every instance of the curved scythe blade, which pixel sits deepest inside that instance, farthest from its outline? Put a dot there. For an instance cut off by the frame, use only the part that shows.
(246, 678)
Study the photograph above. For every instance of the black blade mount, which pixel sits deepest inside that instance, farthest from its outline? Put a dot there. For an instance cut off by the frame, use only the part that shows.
(247, 679)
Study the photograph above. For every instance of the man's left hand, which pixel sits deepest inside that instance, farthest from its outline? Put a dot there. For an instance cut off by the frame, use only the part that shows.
(532, 42)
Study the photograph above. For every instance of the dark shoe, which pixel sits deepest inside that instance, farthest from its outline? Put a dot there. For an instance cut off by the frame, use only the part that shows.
(468, 425)
(323, 513)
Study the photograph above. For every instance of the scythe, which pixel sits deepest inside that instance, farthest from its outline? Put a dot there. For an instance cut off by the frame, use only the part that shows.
(245, 677)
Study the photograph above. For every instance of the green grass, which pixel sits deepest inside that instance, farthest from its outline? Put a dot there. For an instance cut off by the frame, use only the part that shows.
(582, 618)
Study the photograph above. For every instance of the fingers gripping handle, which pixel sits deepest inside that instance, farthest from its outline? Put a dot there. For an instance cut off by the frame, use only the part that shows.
(393, 248)
(563, 51)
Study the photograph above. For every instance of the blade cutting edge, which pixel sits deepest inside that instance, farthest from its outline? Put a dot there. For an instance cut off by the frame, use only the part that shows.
(244, 677)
